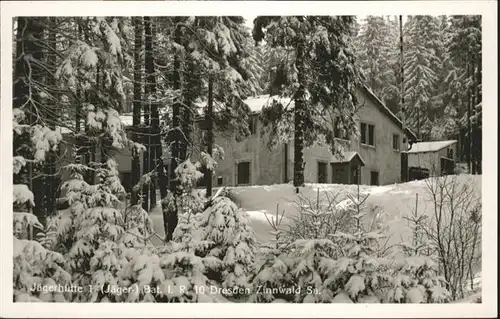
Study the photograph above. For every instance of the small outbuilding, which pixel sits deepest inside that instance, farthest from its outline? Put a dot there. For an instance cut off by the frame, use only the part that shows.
(435, 157)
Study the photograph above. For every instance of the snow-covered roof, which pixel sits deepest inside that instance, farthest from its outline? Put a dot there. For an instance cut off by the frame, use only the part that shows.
(423, 147)
(348, 156)
(257, 103)
(126, 120)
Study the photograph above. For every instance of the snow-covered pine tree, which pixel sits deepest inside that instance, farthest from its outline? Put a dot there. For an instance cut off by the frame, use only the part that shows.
(97, 224)
(175, 272)
(34, 265)
(416, 278)
(189, 205)
(449, 92)
(233, 244)
(374, 37)
(422, 66)
(89, 231)
(319, 48)
(442, 67)
(361, 271)
(35, 104)
(272, 275)
(377, 47)
(465, 49)
(273, 74)
(273, 266)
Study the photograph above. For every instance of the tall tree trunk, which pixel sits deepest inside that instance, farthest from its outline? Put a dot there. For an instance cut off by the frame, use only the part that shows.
(190, 94)
(154, 159)
(404, 154)
(171, 215)
(210, 133)
(299, 116)
(79, 122)
(147, 143)
(155, 116)
(51, 186)
(36, 171)
(136, 118)
(469, 106)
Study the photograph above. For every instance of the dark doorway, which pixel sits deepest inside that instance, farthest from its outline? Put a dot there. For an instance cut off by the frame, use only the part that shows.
(322, 173)
(447, 166)
(374, 178)
(355, 172)
(126, 180)
(339, 173)
(243, 173)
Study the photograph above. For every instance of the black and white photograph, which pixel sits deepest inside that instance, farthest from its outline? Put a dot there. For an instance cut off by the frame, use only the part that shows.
(259, 157)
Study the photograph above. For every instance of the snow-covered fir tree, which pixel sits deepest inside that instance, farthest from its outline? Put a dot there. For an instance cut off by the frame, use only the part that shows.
(377, 48)
(233, 242)
(421, 73)
(416, 278)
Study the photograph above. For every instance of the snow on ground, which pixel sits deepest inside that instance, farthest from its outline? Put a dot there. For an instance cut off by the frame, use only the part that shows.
(396, 200)
(261, 215)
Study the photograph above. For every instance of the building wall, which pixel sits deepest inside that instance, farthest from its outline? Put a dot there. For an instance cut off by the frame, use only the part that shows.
(431, 160)
(266, 165)
(428, 160)
(381, 157)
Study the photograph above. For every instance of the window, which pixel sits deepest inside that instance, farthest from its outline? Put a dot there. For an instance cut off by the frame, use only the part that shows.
(219, 181)
(371, 135)
(243, 173)
(368, 134)
(374, 178)
(363, 133)
(252, 124)
(322, 172)
(395, 142)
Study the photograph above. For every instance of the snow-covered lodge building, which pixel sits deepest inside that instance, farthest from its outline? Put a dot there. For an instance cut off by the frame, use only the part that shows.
(375, 153)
